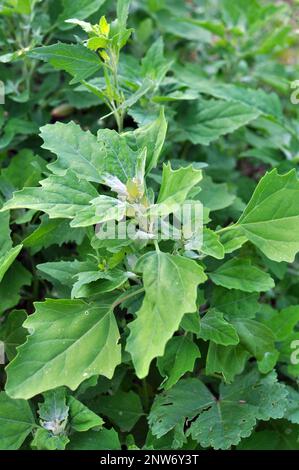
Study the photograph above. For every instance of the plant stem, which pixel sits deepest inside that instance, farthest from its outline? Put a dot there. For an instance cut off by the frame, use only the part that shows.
(126, 297)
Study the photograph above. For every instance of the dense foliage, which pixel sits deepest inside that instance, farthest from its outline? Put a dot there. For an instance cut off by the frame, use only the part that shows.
(116, 111)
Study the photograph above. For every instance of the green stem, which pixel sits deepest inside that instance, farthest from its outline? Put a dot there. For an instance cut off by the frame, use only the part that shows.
(126, 297)
(225, 229)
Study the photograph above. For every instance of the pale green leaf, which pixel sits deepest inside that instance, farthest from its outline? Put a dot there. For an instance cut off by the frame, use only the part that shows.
(170, 284)
(82, 341)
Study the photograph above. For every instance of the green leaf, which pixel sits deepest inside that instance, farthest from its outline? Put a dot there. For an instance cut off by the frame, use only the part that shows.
(170, 284)
(256, 337)
(241, 274)
(81, 417)
(271, 218)
(206, 121)
(83, 341)
(74, 59)
(53, 412)
(75, 149)
(12, 332)
(52, 232)
(16, 422)
(183, 400)
(118, 157)
(45, 440)
(228, 361)
(233, 417)
(214, 196)
(214, 327)
(123, 408)
(266, 103)
(282, 436)
(7, 253)
(179, 357)
(281, 323)
(235, 303)
(10, 288)
(176, 184)
(211, 244)
(151, 137)
(79, 9)
(154, 65)
(95, 440)
(223, 422)
(58, 196)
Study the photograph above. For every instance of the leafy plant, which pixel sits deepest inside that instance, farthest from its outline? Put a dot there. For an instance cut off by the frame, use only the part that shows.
(150, 337)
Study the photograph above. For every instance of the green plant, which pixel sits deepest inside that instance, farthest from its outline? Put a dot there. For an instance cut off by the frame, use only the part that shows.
(184, 341)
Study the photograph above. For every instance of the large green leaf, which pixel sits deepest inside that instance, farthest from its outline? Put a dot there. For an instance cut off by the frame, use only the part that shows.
(267, 103)
(75, 59)
(215, 328)
(241, 274)
(179, 357)
(228, 361)
(16, 422)
(58, 196)
(220, 422)
(271, 218)
(105, 439)
(170, 284)
(75, 149)
(79, 9)
(206, 121)
(7, 253)
(123, 408)
(82, 341)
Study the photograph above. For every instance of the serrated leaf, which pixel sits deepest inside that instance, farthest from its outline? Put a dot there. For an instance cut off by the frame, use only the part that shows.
(75, 59)
(214, 327)
(241, 274)
(176, 184)
(75, 149)
(12, 332)
(58, 196)
(151, 136)
(228, 361)
(16, 422)
(123, 408)
(82, 418)
(252, 397)
(271, 218)
(170, 284)
(105, 439)
(206, 121)
(80, 9)
(179, 357)
(83, 342)
(211, 244)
